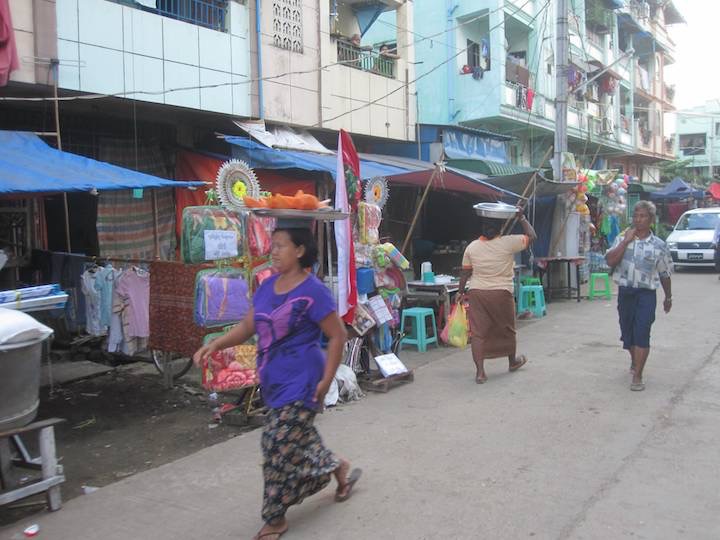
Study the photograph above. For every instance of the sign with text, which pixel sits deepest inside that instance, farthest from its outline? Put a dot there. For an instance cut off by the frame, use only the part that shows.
(390, 364)
(220, 245)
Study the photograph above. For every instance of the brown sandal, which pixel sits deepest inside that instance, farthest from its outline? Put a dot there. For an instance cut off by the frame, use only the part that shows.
(520, 361)
(351, 480)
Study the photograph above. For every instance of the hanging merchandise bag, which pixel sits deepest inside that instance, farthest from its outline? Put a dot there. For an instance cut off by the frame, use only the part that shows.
(210, 233)
(221, 297)
(457, 332)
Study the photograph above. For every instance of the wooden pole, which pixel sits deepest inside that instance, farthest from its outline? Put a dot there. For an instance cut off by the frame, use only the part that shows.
(435, 172)
(156, 226)
(533, 181)
(59, 146)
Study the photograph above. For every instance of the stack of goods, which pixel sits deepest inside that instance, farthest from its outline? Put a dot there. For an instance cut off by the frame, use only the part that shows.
(210, 233)
(40, 298)
(221, 297)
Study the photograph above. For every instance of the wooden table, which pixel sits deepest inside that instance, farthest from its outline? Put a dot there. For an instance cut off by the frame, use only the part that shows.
(434, 292)
(554, 262)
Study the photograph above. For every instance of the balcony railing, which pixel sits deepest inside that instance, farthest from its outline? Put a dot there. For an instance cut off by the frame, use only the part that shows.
(365, 59)
(208, 13)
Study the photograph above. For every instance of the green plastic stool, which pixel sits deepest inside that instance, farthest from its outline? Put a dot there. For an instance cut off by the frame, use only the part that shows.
(529, 280)
(419, 337)
(606, 291)
(532, 298)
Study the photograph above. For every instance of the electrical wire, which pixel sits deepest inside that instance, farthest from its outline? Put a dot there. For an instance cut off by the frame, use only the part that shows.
(433, 69)
(245, 81)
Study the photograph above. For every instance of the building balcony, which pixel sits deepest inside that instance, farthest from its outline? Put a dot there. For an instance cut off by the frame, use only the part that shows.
(644, 138)
(211, 14)
(669, 93)
(522, 5)
(365, 59)
(669, 146)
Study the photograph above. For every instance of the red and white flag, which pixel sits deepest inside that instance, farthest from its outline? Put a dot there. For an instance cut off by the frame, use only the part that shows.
(347, 193)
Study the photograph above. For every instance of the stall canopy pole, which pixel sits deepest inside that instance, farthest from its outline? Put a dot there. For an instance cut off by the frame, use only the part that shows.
(155, 224)
(438, 170)
(532, 183)
(56, 65)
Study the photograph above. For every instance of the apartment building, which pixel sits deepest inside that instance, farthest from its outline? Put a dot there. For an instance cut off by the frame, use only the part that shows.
(698, 139)
(179, 70)
(316, 75)
(491, 64)
(175, 62)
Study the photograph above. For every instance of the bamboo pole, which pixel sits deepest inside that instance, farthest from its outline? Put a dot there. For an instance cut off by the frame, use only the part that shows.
(435, 172)
(533, 181)
(59, 146)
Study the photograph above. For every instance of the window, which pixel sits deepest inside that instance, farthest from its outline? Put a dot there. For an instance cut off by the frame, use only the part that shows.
(692, 144)
(208, 13)
(717, 129)
(478, 54)
(473, 53)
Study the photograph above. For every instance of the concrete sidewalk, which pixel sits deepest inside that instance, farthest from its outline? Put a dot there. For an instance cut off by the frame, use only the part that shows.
(560, 449)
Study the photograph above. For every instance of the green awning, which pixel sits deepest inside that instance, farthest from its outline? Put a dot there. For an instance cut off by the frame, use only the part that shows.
(489, 167)
(637, 187)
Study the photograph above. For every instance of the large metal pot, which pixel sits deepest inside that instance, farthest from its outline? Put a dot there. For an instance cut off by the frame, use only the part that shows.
(497, 210)
(19, 383)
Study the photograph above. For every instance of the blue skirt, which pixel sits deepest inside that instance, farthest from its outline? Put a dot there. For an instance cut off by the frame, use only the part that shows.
(636, 308)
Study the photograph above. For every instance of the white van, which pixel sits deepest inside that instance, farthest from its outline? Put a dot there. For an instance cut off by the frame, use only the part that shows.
(690, 242)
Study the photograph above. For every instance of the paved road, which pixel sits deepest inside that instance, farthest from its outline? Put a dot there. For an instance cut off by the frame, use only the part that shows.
(561, 449)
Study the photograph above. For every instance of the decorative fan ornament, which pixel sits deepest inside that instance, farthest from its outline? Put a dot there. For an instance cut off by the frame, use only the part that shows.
(235, 180)
(377, 191)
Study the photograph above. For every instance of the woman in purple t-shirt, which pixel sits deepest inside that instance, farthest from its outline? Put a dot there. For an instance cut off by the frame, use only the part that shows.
(290, 312)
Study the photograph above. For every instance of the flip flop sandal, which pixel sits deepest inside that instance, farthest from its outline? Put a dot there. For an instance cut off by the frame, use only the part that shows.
(269, 535)
(352, 479)
(521, 361)
(637, 387)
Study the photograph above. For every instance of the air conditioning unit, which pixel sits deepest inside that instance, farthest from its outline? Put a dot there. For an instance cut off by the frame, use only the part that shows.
(606, 126)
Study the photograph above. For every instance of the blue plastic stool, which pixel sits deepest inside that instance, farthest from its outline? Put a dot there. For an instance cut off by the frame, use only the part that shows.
(419, 337)
(532, 298)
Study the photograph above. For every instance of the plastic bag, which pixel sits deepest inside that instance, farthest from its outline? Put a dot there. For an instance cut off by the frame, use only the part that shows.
(199, 220)
(456, 332)
(230, 369)
(349, 389)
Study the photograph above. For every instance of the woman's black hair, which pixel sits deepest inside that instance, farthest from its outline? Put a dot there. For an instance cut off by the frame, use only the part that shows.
(303, 237)
(490, 228)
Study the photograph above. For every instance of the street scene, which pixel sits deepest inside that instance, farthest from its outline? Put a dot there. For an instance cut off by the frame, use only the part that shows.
(404, 269)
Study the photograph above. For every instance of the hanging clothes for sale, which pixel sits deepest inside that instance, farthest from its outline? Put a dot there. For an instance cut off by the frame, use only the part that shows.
(93, 300)
(130, 321)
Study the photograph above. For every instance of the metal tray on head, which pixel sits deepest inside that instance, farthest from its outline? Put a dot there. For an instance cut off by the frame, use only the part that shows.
(498, 210)
(330, 214)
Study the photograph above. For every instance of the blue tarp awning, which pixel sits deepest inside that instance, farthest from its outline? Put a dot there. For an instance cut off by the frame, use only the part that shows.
(28, 165)
(677, 189)
(396, 169)
(262, 157)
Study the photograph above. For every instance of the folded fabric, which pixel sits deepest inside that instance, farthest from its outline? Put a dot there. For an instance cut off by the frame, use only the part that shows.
(230, 369)
(221, 297)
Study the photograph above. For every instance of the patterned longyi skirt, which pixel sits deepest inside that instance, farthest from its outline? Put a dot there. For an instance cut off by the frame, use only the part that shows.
(295, 462)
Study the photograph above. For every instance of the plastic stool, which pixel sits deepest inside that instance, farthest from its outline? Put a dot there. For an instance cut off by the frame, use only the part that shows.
(606, 291)
(419, 337)
(532, 298)
(529, 280)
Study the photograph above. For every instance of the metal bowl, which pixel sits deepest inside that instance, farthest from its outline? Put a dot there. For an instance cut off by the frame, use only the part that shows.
(499, 210)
